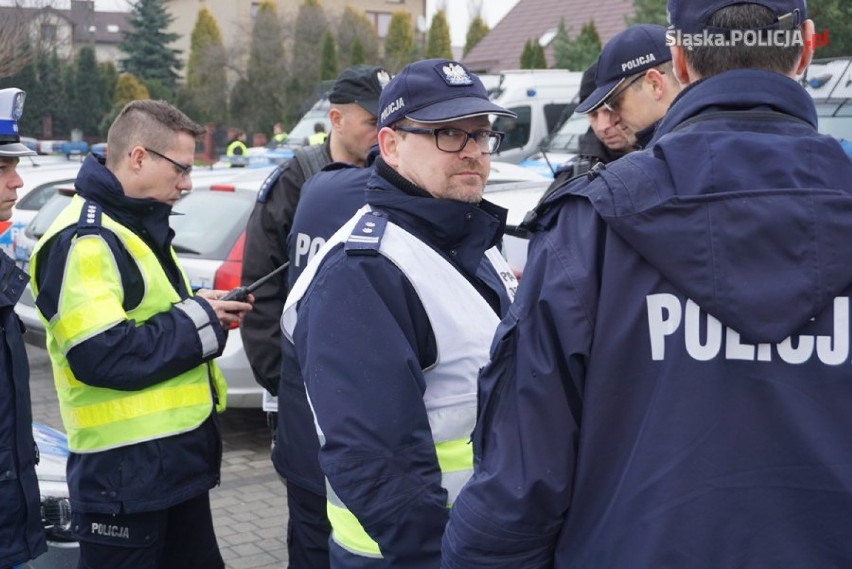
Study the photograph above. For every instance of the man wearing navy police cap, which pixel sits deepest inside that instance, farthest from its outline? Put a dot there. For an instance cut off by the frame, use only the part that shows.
(21, 530)
(634, 81)
(392, 319)
(670, 387)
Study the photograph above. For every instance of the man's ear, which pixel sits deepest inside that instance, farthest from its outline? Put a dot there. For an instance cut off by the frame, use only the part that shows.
(808, 49)
(681, 69)
(335, 116)
(389, 145)
(136, 154)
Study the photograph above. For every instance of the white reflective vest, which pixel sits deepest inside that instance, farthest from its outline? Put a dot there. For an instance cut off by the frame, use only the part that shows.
(463, 324)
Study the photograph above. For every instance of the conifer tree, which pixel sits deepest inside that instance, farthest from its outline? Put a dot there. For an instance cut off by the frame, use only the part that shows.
(579, 53)
(357, 41)
(526, 56)
(537, 58)
(477, 30)
(205, 95)
(399, 42)
(328, 62)
(266, 78)
(438, 45)
(87, 102)
(146, 44)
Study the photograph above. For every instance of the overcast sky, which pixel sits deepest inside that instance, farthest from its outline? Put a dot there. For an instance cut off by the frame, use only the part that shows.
(458, 11)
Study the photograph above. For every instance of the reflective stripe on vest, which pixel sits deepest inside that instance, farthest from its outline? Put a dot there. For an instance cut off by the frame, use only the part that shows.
(463, 324)
(97, 418)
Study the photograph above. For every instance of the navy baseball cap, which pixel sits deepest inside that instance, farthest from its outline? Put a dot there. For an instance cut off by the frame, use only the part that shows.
(361, 84)
(636, 49)
(434, 91)
(11, 109)
(691, 16)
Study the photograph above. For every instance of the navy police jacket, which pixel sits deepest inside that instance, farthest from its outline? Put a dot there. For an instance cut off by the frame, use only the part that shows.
(379, 455)
(21, 530)
(157, 474)
(328, 199)
(671, 386)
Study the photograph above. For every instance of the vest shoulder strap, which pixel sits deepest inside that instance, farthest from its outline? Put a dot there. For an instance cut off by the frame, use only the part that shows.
(90, 219)
(311, 159)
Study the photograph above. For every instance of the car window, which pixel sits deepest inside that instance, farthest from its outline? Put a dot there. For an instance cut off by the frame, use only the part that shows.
(517, 131)
(207, 223)
(567, 137)
(37, 197)
(552, 113)
(835, 119)
(45, 216)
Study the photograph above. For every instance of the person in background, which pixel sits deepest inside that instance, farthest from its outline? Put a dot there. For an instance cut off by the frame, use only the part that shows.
(391, 321)
(237, 151)
(354, 99)
(21, 531)
(132, 350)
(605, 140)
(279, 135)
(670, 387)
(319, 135)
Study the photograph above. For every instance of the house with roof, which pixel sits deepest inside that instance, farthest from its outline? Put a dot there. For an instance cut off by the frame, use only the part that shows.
(538, 20)
(68, 29)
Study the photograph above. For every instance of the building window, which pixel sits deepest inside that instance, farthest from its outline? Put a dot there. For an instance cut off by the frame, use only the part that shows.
(381, 22)
(48, 32)
(255, 6)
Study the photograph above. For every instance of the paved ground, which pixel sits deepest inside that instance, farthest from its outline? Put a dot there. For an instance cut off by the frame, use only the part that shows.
(249, 508)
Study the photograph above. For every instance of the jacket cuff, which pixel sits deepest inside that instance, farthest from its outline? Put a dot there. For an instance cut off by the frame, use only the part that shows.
(211, 336)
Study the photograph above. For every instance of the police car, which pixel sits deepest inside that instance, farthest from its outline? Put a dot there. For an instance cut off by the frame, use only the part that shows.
(829, 81)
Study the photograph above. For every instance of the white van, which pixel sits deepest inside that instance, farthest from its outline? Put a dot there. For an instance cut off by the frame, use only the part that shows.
(540, 97)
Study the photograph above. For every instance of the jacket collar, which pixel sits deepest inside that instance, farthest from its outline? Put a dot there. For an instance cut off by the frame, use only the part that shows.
(461, 230)
(12, 281)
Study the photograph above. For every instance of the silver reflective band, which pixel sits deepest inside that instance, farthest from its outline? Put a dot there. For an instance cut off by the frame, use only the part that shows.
(206, 335)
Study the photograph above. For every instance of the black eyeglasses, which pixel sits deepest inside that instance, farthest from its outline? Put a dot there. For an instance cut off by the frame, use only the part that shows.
(183, 169)
(611, 103)
(455, 139)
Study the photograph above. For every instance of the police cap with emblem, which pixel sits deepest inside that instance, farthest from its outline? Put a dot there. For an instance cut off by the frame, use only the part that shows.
(361, 84)
(11, 109)
(692, 16)
(435, 91)
(636, 49)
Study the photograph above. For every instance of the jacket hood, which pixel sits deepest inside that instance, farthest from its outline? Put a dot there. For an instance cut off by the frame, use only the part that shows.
(739, 203)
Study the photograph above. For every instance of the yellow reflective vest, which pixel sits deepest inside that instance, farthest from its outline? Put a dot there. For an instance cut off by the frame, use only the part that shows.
(97, 418)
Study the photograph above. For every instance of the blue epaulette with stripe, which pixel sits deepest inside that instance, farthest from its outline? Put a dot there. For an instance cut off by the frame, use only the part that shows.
(366, 238)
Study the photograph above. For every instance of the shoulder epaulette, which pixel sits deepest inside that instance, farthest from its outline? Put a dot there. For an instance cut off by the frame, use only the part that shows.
(269, 182)
(90, 219)
(366, 237)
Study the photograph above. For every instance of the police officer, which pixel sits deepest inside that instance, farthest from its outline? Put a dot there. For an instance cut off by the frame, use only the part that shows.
(319, 135)
(21, 530)
(669, 389)
(391, 321)
(279, 135)
(634, 80)
(237, 151)
(354, 99)
(132, 351)
(605, 141)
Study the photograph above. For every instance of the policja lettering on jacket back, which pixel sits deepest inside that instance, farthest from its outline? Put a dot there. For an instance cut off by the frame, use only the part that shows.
(666, 315)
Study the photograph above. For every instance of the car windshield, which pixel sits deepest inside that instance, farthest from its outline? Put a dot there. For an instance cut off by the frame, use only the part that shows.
(835, 118)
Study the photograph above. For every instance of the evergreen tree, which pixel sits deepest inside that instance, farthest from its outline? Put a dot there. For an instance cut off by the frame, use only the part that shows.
(266, 76)
(356, 32)
(835, 17)
(477, 30)
(311, 25)
(15, 52)
(356, 54)
(146, 44)
(205, 95)
(87, 104)
(438, 45)
(537, 58)
(328, 63)
(649, 12)
(109, 79)
(579, 53)
(526, 56)
(399, 42)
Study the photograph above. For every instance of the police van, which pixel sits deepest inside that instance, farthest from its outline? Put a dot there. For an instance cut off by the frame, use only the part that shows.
(540, 98)
(829, 81)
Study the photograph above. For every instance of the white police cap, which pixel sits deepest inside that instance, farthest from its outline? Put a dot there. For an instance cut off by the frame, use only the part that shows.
(11, 109)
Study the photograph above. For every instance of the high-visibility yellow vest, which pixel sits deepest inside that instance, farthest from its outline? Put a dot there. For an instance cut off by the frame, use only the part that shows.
(97, 418)
(232, 148)
(463, 324)
(317, 138)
